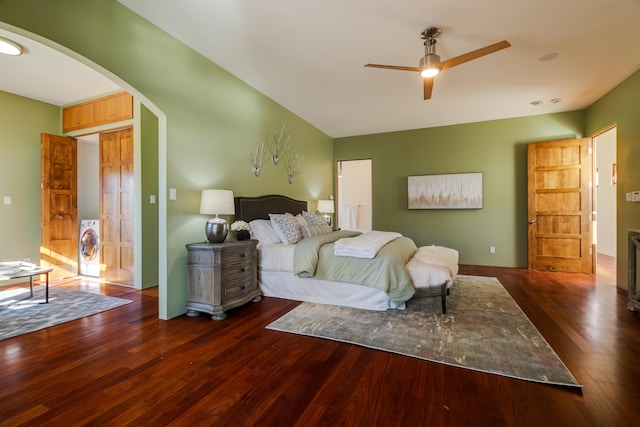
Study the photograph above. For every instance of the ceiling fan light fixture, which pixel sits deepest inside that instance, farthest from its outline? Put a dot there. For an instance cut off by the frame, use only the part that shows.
(9, 47)
(430, 65)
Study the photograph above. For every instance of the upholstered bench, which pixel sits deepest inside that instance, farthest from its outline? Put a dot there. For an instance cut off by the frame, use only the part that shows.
(434, 267)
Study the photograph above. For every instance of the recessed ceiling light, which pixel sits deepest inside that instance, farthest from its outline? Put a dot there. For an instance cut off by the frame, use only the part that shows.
(534, 103)
(555, 100)
(549, 57)
(9, 47)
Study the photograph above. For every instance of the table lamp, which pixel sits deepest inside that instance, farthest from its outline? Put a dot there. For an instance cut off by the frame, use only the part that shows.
(326, 207)
(217, 202)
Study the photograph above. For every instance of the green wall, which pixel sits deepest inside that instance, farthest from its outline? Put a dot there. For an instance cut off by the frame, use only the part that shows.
(149, 187)
(621, 106)
(496, 148)
(212, 122)
(23, 120)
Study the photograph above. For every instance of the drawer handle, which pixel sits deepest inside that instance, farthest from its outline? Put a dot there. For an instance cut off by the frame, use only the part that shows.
(242, 255)
(242, 270)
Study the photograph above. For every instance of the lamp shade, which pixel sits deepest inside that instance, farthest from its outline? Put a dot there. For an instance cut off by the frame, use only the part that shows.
(430, 65)
(217, 202)
(325, 206)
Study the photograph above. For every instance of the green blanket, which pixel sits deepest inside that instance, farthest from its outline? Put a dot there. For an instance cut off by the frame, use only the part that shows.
(314, 258)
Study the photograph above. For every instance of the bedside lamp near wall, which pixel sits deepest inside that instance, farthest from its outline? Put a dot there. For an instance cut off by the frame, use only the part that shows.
(217, 202)
(326, 207)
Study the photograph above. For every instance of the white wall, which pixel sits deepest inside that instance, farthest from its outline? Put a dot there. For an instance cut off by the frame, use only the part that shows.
(355, 192)
(88, 178)
(605, 155)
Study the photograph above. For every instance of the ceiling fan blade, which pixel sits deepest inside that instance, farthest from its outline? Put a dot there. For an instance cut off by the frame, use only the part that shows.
(393, 67)
(474, 54)
(428, 87)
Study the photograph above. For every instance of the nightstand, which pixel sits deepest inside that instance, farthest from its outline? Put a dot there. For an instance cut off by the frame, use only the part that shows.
(221, 276)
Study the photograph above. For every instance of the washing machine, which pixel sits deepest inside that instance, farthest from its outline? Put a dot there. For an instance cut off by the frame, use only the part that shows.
(89, 247)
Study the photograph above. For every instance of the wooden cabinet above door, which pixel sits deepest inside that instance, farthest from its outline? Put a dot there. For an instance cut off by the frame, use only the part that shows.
(108, 109)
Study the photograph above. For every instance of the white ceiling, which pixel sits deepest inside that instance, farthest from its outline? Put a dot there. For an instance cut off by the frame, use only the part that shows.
(309, 56)
(47, 75)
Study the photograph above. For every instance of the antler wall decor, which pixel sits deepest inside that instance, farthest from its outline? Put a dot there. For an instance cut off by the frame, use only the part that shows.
(258, 157)
(281, 147)
(281, 143)
(293, 163)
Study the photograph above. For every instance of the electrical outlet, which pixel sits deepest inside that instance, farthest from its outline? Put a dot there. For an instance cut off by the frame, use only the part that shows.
(173, 195)
(152, 199)
(492, 249)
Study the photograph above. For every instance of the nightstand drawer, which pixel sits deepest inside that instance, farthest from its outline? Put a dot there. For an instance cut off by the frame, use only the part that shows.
(237, 271)
(237, 288)
(238, 255)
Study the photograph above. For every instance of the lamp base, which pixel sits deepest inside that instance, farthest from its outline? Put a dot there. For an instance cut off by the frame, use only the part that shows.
(216, 230)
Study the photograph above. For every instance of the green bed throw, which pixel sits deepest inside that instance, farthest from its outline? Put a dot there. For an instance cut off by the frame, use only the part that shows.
(314, 258)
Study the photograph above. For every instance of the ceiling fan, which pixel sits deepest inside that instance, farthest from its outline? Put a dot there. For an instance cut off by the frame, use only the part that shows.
(430, 64)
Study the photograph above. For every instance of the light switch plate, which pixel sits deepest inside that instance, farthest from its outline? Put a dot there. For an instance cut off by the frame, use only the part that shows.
(152, 199)
(7, 200)
(173, 195)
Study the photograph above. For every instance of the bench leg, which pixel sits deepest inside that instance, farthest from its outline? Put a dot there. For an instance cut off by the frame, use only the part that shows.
(444, 292)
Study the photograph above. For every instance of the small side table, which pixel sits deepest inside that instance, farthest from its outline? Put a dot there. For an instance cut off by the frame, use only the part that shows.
(17, 270)
(221, 276)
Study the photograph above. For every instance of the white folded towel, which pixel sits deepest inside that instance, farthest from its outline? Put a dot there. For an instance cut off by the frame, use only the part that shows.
(366, 245)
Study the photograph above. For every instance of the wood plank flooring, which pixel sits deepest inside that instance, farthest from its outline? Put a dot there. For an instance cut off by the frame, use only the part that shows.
(126, 367)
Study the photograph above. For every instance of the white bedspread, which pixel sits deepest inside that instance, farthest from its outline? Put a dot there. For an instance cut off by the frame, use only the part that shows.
(366, 245)
(433, 266)
(276, 257)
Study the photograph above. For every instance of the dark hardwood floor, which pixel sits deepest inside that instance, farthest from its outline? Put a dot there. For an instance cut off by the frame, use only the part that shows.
(126, 367)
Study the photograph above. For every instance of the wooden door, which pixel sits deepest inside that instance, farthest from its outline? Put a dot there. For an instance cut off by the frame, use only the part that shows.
(116, 206)
(559, 179)
(59, 204)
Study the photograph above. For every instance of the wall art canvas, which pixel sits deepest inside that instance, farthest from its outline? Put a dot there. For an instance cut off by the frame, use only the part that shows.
(449, 191)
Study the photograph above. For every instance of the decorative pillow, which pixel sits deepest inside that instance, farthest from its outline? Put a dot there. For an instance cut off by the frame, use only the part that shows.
(314, 219)
(262, 231)
(286, 227)
(315, 230)
(301, 220)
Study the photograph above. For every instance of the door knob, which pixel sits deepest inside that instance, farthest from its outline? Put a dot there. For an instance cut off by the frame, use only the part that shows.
(532, 221)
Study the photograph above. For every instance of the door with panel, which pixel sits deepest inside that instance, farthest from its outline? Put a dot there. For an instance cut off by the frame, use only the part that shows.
(560, 206)
(59, 205)
(116, 206)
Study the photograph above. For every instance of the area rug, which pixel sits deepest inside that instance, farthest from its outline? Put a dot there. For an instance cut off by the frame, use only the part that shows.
(484, 330)
(20, 314)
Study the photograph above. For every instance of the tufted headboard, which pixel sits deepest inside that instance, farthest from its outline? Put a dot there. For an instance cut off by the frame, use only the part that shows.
(250, 208)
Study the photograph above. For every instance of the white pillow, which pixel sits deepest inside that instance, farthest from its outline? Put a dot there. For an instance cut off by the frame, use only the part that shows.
(301, 220)
(286, 227)
(262, 231)
(315, 230)
(314, 219)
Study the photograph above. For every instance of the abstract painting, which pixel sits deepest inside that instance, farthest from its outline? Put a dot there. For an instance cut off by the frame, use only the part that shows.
(449, 191)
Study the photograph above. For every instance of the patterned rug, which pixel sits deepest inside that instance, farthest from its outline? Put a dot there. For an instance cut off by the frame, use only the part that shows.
(484, 330)
(20, 314)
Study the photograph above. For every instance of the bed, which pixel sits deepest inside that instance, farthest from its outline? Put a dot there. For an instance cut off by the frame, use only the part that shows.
(277, 261)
